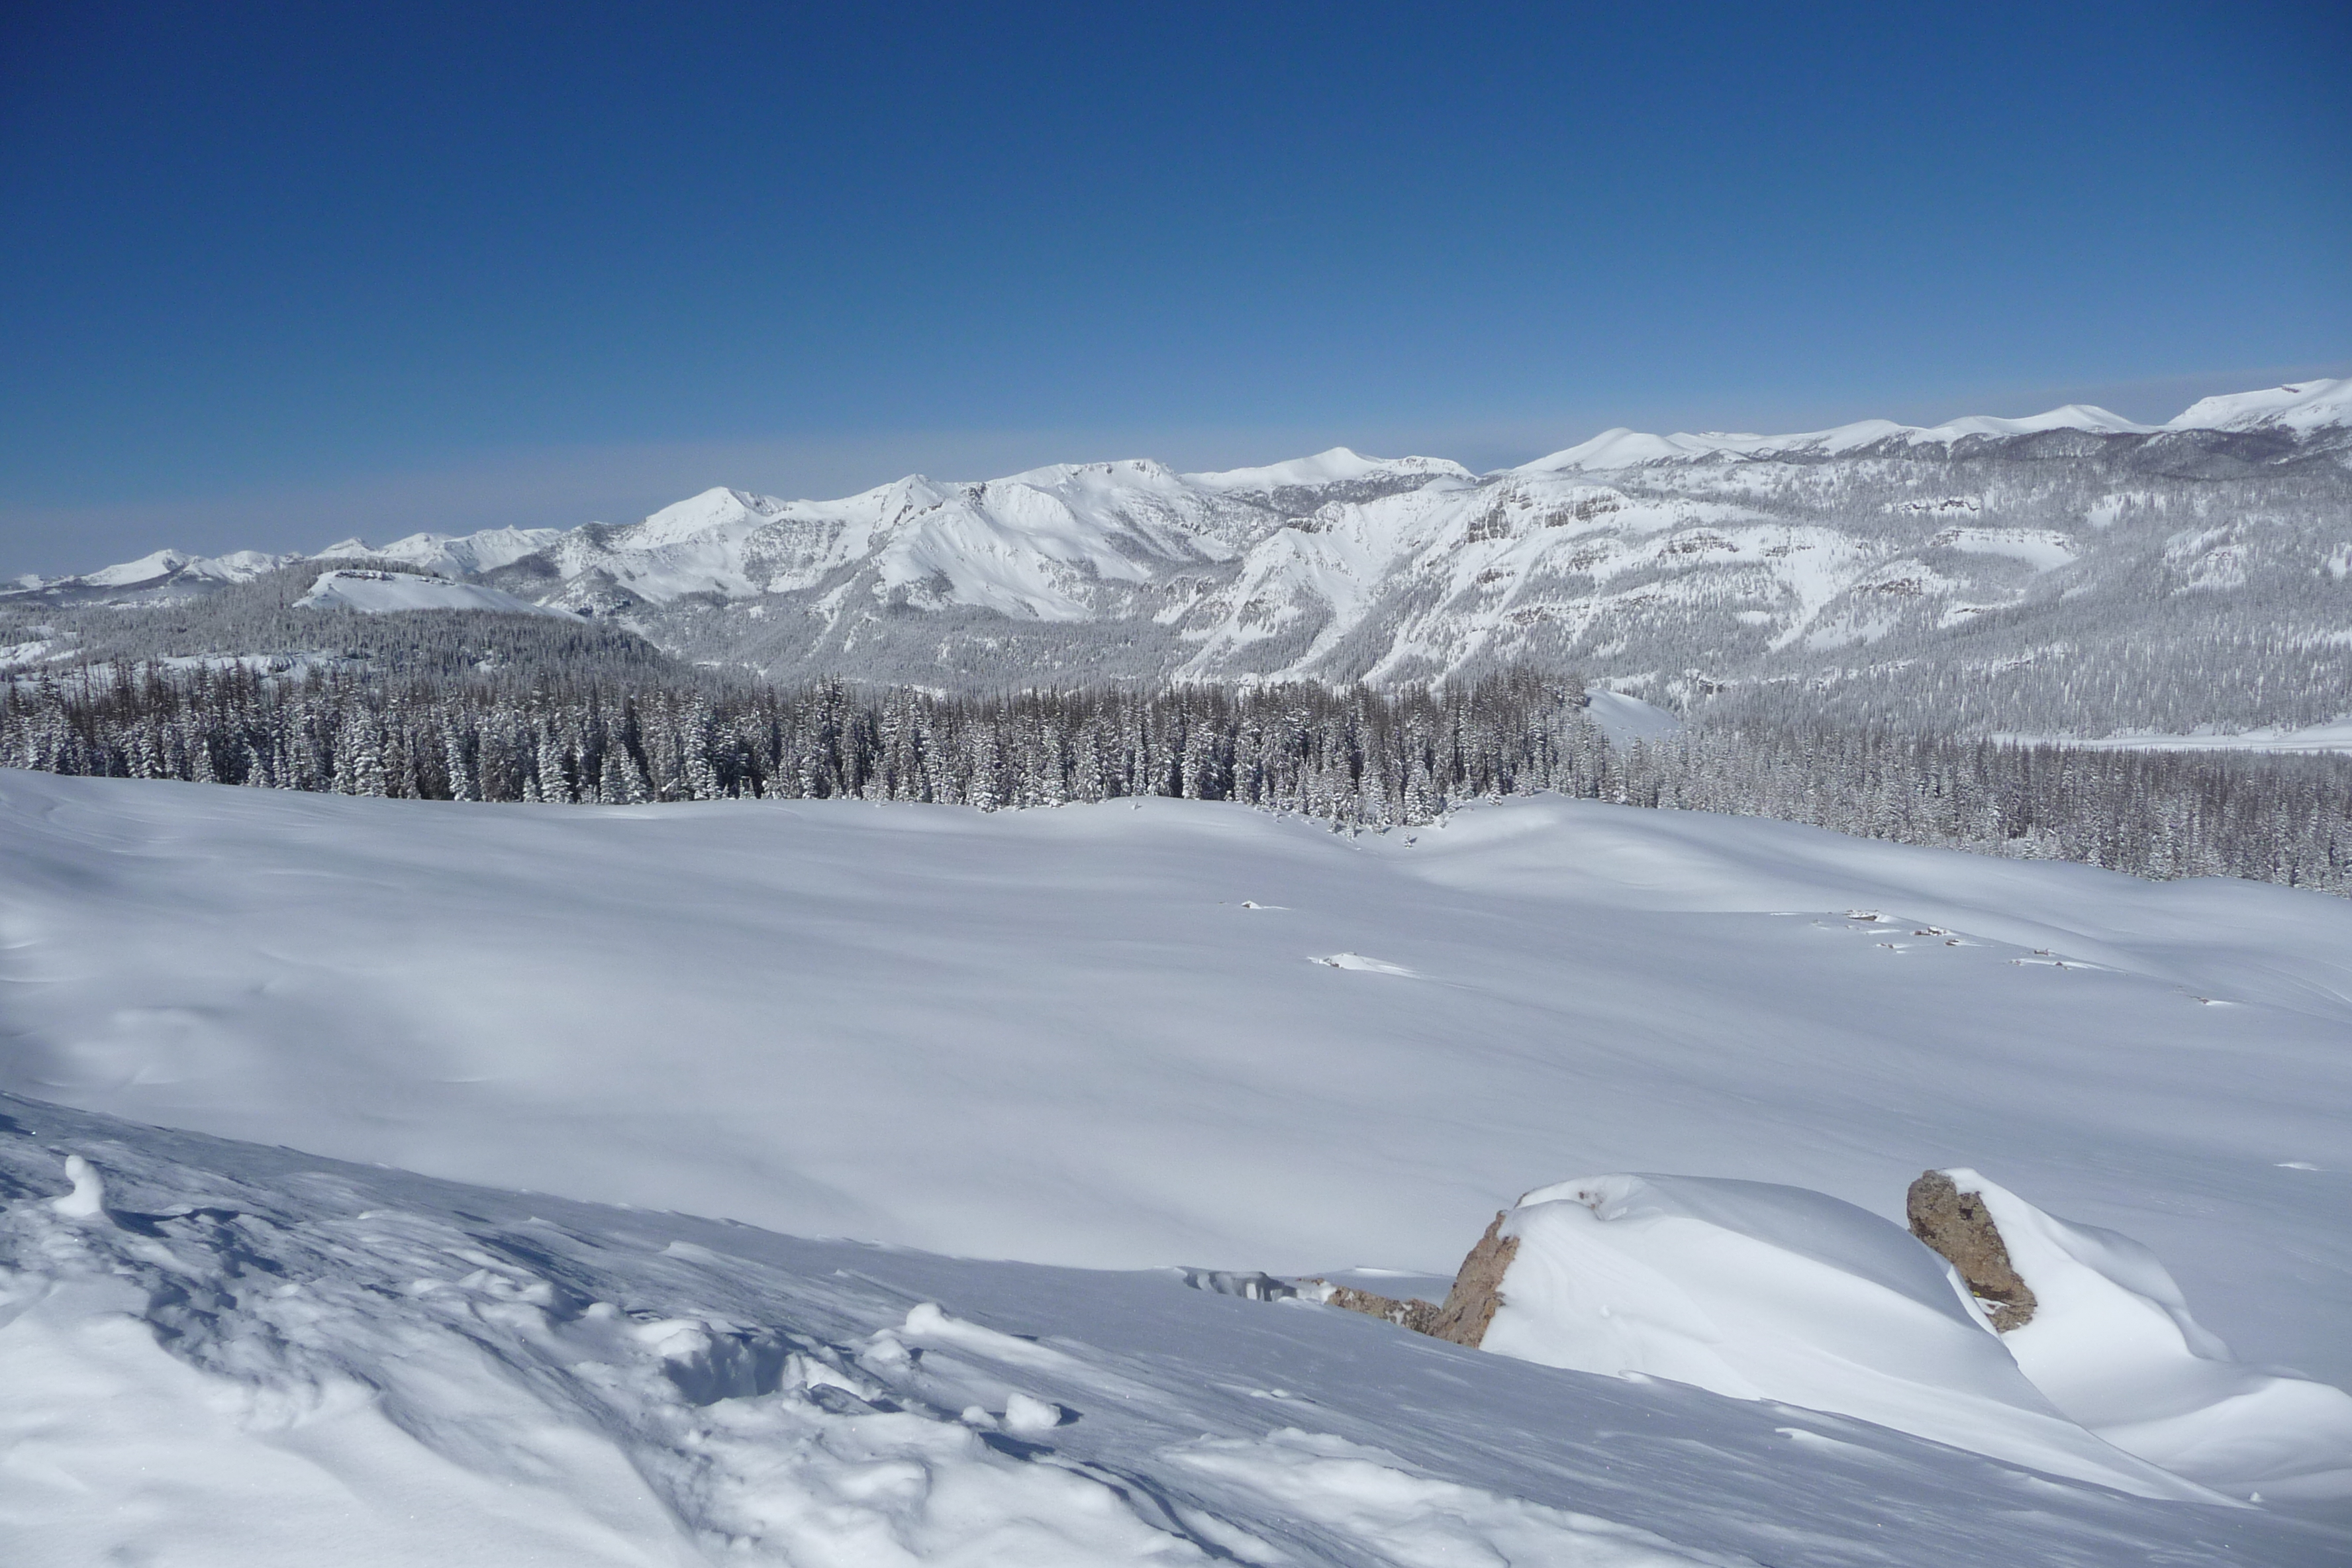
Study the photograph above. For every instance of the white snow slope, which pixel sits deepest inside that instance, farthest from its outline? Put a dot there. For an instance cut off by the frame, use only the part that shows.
(224, 1354)
(1765, 1291)
(2113, 1345)
(1094, 1036)
(376, 592)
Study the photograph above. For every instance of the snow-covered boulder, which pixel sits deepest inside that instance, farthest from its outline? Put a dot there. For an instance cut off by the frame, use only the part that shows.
(1762, 1291)
(2112, 1343)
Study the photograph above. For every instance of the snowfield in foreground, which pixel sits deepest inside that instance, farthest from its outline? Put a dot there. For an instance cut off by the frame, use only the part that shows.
(1123, 1037)
(222, 1355)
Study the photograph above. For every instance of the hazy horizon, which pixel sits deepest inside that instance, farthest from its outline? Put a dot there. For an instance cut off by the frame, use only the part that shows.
(564, 489)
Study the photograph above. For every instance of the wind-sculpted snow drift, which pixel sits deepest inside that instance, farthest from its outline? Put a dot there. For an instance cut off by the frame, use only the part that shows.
(1763, 1291)
(2113, 1345)
(2072, 571)
(218, 1353)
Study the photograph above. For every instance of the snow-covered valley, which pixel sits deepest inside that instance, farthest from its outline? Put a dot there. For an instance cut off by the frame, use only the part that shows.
(1102, 1041)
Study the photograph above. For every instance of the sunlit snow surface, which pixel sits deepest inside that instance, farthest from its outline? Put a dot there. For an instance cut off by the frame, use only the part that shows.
(246, 1356)
(2113, 1345)
(377, 593)
(1764, 1292)
(1092, 1037)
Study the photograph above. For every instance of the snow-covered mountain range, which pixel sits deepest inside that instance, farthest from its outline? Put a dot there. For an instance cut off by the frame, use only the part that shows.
(1673, 565)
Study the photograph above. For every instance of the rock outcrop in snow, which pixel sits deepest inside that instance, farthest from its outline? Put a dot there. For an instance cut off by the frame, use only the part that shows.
(1956, 1224)
(1464, 1317)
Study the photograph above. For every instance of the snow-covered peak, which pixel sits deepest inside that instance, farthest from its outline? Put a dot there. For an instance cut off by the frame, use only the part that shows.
(237, 566)
(146, 569)
(2303, 407)
(484, 552)
(1126, 473)
(715, 508)
(1337, 466)
(2073, 416)
(1622, 448)
(1625, 449)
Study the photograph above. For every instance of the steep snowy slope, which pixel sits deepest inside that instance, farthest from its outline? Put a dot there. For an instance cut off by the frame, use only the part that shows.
(223, 1353)
(2304, 407)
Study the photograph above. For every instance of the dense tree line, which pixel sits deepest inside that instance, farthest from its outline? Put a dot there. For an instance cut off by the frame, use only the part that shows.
(1352, 757)
(2161, 813)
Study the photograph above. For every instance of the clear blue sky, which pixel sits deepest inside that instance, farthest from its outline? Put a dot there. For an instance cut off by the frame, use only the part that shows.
(276, 273)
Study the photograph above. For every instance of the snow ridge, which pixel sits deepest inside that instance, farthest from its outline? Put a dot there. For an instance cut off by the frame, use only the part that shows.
(2303, 407)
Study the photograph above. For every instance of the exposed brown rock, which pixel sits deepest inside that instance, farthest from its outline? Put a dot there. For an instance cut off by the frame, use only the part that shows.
(1416, 1315)
(1469, 1306)
(1955, 1224)
(1477, 1288)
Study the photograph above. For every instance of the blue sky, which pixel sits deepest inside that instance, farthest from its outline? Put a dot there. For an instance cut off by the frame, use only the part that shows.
(276, 274)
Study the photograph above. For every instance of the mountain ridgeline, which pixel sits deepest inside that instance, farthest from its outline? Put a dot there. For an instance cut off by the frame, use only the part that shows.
(2071, 574)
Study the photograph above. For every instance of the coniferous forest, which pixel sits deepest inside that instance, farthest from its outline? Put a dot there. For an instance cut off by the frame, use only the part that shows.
(1354, 758)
